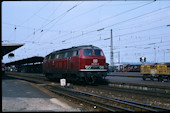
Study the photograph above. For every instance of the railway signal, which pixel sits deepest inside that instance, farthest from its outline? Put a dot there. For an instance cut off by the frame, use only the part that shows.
(142, 59)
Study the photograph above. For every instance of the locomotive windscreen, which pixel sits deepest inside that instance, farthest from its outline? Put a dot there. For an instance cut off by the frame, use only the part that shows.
(98, 52)
(89, 52)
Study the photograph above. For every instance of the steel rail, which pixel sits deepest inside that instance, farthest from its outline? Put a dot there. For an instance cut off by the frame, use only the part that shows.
(116, 102)
(97, 104)
(137, 91)
(72, 96)
(125, 105)
(129, 103)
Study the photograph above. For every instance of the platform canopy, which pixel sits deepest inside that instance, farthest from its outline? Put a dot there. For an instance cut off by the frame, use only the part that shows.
(34, 59)
(7, 48)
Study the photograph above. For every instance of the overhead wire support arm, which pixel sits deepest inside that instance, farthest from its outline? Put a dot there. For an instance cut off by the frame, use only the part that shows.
(100, 29)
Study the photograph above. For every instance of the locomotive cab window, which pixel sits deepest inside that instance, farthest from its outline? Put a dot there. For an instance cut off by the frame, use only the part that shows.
(61, 55)
(70, 53)
(88, 52)
(49, 58)
(76, 53)
(66, 55)
(57, 56)
(46, 58)
(98, 52)
(52, 56)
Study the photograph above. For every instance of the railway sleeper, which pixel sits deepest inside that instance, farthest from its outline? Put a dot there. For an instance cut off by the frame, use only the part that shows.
(123, 103)
(111, 106)
(160, 78)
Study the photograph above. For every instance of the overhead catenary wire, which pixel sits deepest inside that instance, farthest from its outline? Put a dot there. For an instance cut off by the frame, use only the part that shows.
(45, 30)
(54, 11)
(139, 46)
(64, 14)
(35, 13)
(113, 16)
(153, 28)
(136, 17)
(142, 52)
(84, 13)
(120, 22)
(93, 9)
(157, 27)
(160, 19)
(84, 33)
(124, 12)
(61, 16)
(26, 27)
(58, 17)
(116, 16)
(126, 44)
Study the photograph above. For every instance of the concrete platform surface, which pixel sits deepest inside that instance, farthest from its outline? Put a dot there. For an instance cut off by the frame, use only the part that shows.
(21, 96)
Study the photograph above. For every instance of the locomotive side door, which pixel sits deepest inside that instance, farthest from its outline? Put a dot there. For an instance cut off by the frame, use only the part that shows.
(51, 66)
(48, 66)
(75, 61)
(69, 61)
(45, 64)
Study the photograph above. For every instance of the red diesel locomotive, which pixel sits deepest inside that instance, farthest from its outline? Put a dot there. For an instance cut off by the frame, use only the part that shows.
(82, 63)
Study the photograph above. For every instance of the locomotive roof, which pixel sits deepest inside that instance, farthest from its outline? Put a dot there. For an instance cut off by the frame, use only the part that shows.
(76, 48)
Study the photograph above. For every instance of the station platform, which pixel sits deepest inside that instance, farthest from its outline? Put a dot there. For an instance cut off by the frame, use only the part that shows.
(21, 96)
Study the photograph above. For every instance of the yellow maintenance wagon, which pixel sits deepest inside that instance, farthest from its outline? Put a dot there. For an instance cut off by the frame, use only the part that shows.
(156, 70)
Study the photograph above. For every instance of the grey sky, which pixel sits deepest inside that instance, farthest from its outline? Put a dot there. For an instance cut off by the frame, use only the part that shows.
(46, 26)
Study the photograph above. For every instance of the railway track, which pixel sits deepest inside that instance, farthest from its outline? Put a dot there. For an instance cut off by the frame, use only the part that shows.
(156, 93)
(136, 91)
(98, 102)
(107, 103)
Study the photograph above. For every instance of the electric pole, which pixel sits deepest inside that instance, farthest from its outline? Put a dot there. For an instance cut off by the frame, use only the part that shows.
(155, 52)
(111, 50)
(119, 57)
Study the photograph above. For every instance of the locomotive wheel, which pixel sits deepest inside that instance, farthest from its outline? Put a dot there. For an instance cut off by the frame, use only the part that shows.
(160, 78)
(90, 79)
(152, 78)
(49, 77)
(168, 78)
(144, 77)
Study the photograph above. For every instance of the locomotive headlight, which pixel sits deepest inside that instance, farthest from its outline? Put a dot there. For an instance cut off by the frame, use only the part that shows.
(101, 67)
